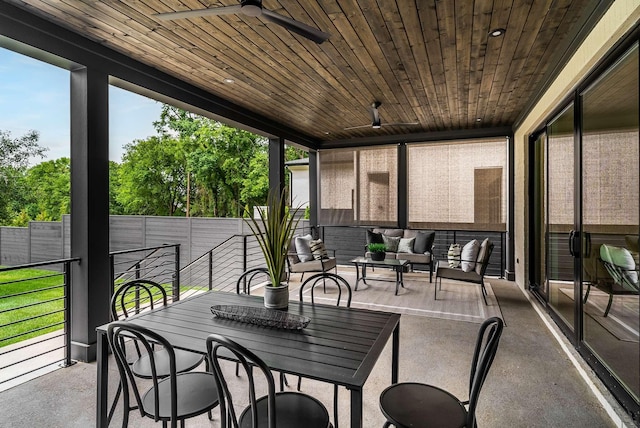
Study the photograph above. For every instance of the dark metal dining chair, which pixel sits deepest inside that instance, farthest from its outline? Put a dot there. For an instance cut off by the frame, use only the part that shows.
(344, 297)
(274, 410)
(134, 297)
(171, 398)
(243, 285)
(411, 404)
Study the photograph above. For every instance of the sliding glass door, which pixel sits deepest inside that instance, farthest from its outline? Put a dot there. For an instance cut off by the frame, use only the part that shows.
(585, 223)
(560, 215)
(610, 212)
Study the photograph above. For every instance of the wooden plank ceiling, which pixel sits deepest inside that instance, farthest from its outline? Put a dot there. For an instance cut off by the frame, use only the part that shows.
(426, 61)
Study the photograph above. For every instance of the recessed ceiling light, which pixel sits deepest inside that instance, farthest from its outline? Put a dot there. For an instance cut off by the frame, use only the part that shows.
(229, 80)
(497, 32)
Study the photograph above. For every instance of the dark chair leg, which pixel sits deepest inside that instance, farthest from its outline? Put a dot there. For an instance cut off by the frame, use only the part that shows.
(335, 406)
(283, 382)
(115, 401)
(606, 312)
(586, 294)
(386, 424)
(484, 293)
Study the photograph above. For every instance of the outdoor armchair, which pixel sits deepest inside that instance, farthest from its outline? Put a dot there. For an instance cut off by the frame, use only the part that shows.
(470, 269)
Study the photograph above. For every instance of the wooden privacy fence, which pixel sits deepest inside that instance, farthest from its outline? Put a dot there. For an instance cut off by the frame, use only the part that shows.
(43, 241)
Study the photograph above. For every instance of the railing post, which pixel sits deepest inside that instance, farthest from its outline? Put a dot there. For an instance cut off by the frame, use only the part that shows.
(210, 269)
(176, 276)
(112, 268)
(67, 315)
(244, 253)
(137, 269)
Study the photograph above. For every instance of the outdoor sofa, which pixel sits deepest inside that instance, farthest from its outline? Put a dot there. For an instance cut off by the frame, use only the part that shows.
(415, 246)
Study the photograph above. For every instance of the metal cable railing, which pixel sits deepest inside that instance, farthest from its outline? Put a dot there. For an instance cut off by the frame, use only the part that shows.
(35, 302)
(220, 267)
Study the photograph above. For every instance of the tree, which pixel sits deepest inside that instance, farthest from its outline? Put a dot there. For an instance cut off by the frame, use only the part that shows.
(50, 188)
(152, 177)
(226, 163)
(115, 207)
(15, 154)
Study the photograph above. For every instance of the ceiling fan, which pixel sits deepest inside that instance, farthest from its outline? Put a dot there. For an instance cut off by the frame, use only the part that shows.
(252, 8)
(375, 119)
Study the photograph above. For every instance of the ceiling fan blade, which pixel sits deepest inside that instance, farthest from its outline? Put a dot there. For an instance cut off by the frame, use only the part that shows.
(400, 124)
(357, 127)
(297, 27)
(224, 10)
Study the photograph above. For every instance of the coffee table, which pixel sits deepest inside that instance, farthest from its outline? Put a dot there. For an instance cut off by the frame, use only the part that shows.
(363, 262)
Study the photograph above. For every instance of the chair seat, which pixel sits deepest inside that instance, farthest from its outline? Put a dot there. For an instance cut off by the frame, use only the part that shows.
(291, 409)
(419, 405)
(197, 393)
(185, 361)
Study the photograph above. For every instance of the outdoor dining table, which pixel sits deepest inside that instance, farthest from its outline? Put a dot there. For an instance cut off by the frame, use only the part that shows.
(339, 345)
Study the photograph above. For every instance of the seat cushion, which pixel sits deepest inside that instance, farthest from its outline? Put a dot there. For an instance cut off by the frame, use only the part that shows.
(314, 265)
(412, 404)
(396, 233)
(415, 258)
(443, 270)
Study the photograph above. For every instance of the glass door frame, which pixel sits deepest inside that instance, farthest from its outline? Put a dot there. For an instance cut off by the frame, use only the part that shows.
(534, 226)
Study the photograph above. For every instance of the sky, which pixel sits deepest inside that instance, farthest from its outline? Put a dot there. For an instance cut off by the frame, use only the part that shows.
(34, 95)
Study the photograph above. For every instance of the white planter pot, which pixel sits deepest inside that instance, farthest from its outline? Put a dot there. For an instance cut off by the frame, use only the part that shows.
(276, 297)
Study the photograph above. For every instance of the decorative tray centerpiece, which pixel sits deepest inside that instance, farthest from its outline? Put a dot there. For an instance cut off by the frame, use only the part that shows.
(261, 316)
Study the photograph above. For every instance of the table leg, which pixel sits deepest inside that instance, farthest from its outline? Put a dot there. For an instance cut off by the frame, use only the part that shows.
(102, 381)
(356, 408)
(395, 354)
(397, 280)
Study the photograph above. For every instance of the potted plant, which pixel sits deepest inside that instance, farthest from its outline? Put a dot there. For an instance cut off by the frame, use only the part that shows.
(273, 230)
(378, 251)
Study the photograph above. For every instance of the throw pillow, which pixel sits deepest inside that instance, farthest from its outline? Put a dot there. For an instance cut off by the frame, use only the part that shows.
(424, 242)
(406, 245)
(374, 238)
(318, 250)
(391, 242)
(302, 248)
(453, 256)
(482, 255)
(469, 254)
(621, 258)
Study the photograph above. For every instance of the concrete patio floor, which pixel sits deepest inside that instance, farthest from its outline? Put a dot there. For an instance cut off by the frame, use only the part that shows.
(533, 382)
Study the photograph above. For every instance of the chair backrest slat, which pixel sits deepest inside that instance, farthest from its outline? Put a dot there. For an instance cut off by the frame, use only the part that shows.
(117, 332)
(216, 345)
(131, 295)
(484, 353)
(324, 279)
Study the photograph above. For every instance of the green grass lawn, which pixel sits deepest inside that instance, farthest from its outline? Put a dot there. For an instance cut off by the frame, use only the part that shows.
(46, 293)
